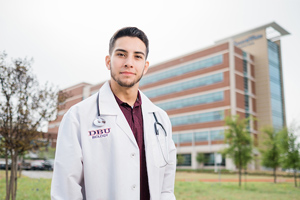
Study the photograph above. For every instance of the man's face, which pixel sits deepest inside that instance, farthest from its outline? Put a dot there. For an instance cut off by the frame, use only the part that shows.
(127, 63)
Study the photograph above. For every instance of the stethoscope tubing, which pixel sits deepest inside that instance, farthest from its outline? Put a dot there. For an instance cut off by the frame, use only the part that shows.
(155, 128)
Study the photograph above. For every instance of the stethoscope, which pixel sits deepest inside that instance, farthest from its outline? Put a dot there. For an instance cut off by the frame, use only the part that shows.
(100, 121)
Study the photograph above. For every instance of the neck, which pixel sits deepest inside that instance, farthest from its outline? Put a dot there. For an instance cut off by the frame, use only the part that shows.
(128, 95)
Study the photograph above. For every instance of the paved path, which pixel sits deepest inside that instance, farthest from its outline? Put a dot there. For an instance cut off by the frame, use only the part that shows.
(37, 174)
(280, 180)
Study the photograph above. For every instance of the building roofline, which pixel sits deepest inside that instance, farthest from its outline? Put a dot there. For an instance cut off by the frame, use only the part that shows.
(76, 86)
(274, 25)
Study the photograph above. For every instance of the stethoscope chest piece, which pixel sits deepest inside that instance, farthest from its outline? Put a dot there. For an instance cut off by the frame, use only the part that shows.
(99, 121)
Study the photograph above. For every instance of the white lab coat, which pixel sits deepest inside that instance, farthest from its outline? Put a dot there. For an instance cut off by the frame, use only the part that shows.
(103, 163)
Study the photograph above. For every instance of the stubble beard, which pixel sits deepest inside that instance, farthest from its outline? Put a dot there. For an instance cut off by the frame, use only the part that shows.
(123, 83)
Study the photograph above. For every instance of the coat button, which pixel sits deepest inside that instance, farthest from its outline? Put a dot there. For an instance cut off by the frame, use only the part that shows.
(133, 155)
(133, 187)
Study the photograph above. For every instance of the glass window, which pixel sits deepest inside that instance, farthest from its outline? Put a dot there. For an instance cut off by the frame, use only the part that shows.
(209, 62)
(201, 136)
(178, 87)
(210, 160)
(244, 55)
(175, 138)
(186, 138)
(191, 101)
(198, 118)
(217, 135)
(247, 103)
(184, 160)
(246, 84)
(275, 85)
(245, 68)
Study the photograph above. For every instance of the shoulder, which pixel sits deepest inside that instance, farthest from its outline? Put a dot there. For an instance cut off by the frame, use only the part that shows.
(82, 106)
(90, 101)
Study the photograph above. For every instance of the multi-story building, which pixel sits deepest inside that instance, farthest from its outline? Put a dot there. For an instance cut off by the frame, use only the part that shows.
(240, 75)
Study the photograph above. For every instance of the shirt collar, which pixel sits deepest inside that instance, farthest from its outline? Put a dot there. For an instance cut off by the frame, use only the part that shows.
(137, 103)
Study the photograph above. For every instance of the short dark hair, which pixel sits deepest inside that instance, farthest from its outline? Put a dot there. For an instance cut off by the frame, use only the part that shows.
(130, 32)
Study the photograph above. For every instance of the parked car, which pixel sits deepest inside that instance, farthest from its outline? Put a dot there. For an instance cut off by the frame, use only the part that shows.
(48, 164)
(9, 164)
(26, 165)
(2, 164)
(37, 165)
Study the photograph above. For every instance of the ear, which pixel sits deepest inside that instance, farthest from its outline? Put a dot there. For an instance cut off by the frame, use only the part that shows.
(146, 67)
(107, 62)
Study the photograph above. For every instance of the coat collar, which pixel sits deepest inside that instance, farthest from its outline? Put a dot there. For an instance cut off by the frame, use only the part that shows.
(109, 106)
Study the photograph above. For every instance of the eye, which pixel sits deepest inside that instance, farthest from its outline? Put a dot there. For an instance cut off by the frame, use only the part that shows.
(139, 57)
(121, 54)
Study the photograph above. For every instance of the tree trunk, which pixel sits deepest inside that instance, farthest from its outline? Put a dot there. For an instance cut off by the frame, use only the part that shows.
(295, 177)
(20, 168)
(240, 175)
(246, 177)
(274, 173)
(6, 175)
(299, 177)
(11, 178)
(16, 175)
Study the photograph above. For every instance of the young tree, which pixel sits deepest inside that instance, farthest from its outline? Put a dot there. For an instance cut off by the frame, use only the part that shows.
(239, 142)
(24, 106)
(180, 159)
(200, 158)
(270, 149)
(290, 157)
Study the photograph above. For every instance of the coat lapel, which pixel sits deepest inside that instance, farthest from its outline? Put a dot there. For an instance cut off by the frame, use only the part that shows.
(148, 109)
(109, 106)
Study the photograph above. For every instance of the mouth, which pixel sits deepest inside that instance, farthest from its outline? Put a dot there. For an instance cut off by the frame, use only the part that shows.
(127, 73)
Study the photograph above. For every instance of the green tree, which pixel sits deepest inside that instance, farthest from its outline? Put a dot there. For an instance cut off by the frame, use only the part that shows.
(239, 141)
(290, 156)
(200, 158)
(24, 106)
(270, 150)
(180, 159)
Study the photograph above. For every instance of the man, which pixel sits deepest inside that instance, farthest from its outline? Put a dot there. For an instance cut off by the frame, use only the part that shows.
(107, 146)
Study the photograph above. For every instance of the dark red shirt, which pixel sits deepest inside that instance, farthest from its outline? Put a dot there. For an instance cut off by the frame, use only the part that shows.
(134, 118)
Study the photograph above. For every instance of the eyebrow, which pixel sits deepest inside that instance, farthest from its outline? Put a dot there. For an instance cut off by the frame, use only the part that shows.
(136, 52)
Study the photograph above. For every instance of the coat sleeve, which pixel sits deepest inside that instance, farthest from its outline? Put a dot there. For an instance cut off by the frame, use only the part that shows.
(67, 181)
(167, 192)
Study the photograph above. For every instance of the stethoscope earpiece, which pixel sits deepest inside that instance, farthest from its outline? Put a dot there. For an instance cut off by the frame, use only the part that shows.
(99, 121)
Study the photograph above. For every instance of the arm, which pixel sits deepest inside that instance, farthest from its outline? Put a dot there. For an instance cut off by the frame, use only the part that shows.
(68, 170)
(167, 192)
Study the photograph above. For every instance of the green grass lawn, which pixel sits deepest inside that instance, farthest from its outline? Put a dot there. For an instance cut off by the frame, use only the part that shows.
(210, 191)
(187, 187)
(28, 189)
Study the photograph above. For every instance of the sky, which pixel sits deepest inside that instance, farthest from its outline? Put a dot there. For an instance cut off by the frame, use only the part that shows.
(68, 39)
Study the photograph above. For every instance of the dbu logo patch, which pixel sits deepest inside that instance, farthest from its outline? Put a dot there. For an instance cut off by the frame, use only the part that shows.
(100, 133)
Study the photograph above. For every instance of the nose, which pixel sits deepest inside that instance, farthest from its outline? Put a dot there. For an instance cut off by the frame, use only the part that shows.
(129, 62)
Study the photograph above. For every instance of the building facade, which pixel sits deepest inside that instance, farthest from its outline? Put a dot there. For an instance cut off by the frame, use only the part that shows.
(240, 75)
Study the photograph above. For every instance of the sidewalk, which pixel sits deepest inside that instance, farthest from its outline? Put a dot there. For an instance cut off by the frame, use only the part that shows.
(38, 174)
(279, 180)
(214, 177)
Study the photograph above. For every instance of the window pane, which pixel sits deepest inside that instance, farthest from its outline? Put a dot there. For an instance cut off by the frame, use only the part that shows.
(209, 62)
